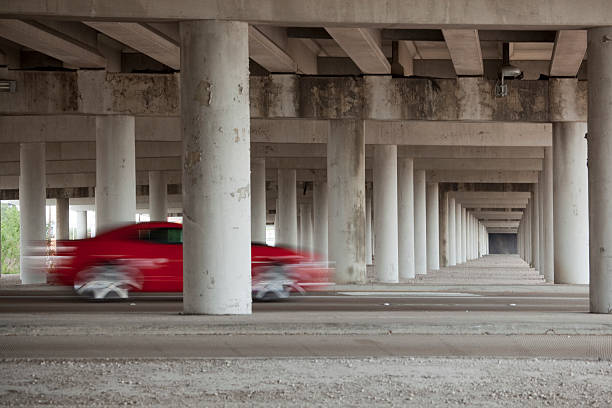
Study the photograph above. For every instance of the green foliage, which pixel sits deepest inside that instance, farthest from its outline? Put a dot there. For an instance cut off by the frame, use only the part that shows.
(10, 239)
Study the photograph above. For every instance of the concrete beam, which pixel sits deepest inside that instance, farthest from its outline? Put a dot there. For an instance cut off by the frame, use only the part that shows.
(478, 176)
(465, 51)
(52, 42)
(498, 215)
(501, 224)
(568, 53)
(452, 133)
(287, 96)
(502, 230)
(86, 150)
(460, 196)
(406, 53)
(470, 152)
(525, 14)
(76, 180)
(268, 54)
(67, 128)
(364, 47)
(494, 204)
(478, 164)
(143, 38)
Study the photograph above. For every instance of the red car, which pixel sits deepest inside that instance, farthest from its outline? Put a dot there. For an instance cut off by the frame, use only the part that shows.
(148, 257)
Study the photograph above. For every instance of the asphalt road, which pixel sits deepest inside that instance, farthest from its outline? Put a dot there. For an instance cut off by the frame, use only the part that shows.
(57, 324)
(65, 302)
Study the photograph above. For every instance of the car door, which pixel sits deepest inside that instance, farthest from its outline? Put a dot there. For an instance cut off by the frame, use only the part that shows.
(159, 252)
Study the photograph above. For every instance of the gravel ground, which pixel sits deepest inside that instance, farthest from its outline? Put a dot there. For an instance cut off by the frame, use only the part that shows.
(307, 382)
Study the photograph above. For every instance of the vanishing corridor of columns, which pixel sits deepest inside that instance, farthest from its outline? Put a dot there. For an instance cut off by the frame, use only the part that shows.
(392, 167)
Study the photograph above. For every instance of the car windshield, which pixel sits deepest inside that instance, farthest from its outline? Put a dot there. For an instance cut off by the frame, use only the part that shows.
(161, 235)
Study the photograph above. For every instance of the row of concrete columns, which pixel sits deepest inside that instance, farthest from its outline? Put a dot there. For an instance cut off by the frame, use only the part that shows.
(216, 184)
(553, 235)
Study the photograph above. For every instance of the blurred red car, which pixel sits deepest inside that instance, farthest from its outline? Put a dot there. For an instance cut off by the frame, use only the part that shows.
(148, 257)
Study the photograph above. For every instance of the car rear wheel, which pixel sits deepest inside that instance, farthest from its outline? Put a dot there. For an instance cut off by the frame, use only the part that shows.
(273, 283)
(108, 280)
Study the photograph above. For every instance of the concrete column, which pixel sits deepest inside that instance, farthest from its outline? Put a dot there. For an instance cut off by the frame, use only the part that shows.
(464, 235)
(368, 227)
(541, 220)
(519, 239)
(115, 172)
(346, 182)
(420, 223)
(216, 165)
(452, 232)
(548, 213)
(320, 218)
(405, 211)
(433, 227)
(480, 240)
(81, 225)
(276, 224)
(385, 213)
(62, 218)
(600, 168)
(528, 249)
(472, 237)
(570, 203)
(306, 227)
(443, 225)
(458, 234)
(158, 196)
(32, 199)
(535, 226)
(287, 209)
(258, 200)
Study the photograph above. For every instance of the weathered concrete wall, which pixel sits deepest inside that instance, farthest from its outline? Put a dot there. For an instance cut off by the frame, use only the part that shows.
(503, 244)
(288, 96)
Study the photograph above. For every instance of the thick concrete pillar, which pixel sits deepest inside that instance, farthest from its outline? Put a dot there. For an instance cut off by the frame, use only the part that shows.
(287, 209)
(405, 211)
(452, 232)
(600, 168)
(385, 213)
(62, 218)
(306, 227)
(571, 204)
(115, 172)
(548, 217)
(464, 234)
(81, 225)
(216, 165)
(346, 189)
(32, 200)
(433, 227)
(320, 215)
(420, 222)
(258, 200)
(458, 233)
(158, 196)
(368, 227)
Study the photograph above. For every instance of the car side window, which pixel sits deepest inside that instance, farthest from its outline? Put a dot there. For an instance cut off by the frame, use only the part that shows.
(161, 235)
